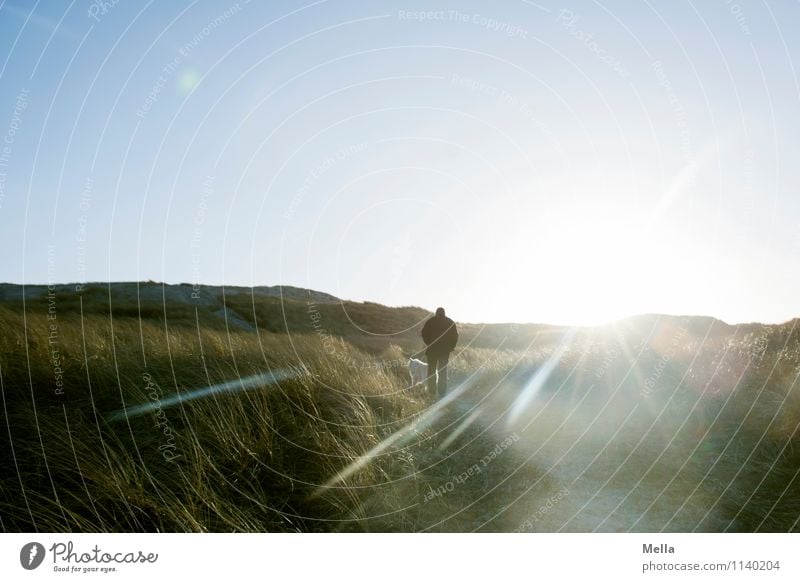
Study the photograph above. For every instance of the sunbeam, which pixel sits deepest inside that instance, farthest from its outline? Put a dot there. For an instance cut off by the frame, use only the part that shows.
(400, 437)
(538, 379)
(461, 428)
(257, 380)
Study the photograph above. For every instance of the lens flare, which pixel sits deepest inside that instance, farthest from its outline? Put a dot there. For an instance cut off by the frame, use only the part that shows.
(538, 379)
(255, 381)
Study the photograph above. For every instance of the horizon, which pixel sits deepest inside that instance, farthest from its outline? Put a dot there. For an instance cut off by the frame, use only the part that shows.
(410, 306)
(521, 162)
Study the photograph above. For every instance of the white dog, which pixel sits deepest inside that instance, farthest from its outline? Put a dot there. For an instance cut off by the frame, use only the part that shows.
(418, 370)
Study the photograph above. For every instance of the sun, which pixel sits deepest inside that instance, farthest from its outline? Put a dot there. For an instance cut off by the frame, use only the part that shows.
(591, 268)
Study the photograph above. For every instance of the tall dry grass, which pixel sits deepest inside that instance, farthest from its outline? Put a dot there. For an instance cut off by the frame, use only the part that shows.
(711, 444)
(242, 461)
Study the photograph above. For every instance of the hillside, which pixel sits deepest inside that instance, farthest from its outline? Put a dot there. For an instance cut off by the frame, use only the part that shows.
(149, 407)
(277, 309)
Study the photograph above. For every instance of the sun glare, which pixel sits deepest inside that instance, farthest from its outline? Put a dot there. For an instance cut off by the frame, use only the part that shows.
(591, 269)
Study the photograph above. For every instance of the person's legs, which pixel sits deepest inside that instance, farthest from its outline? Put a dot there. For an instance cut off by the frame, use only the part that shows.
(432, 364)
(442, 373)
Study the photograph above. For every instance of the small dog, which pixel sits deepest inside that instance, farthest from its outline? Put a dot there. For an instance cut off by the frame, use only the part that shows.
(418, 370)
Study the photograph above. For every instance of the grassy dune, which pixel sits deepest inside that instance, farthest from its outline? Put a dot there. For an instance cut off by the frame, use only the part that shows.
(652, 424)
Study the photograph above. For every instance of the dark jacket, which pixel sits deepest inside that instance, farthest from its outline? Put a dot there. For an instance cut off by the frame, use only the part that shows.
(440, 334)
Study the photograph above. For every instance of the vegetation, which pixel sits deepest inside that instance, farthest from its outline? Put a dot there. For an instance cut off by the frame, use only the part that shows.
(655, 423)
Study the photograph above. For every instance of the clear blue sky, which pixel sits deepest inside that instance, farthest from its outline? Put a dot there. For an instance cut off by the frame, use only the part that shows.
(562, 162)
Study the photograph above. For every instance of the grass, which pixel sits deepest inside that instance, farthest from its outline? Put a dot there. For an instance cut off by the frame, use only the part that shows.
(710, 445)
(245, 461)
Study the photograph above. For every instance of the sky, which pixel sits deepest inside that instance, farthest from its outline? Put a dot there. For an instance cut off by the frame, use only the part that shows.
(558, 162)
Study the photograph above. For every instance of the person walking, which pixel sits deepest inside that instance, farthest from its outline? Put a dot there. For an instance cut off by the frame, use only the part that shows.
(440, 336)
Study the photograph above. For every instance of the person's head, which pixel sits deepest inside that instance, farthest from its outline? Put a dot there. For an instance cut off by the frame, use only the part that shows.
(440, 312)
